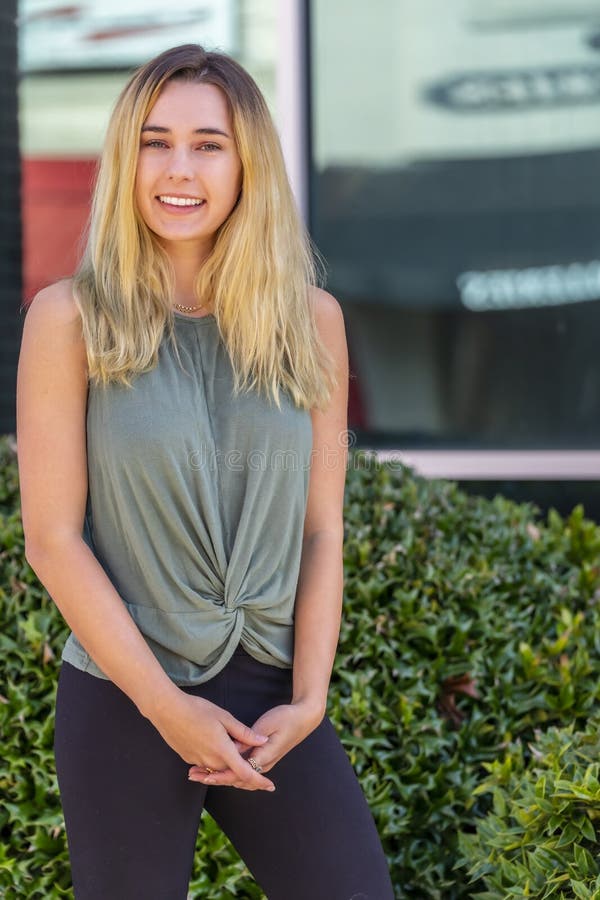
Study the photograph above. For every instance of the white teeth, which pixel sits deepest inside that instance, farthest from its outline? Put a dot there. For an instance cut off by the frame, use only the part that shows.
(180, 201)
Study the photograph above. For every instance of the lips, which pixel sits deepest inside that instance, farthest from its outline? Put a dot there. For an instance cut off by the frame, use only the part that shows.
(181, 207)
(180, 202)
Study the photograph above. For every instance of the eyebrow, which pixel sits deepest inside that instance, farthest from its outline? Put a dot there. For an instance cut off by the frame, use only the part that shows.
(161, 130)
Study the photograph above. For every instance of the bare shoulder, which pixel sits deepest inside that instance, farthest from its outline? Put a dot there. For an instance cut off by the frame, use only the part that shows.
(55, 305)
(329, 318)
(327, 310)
(53, 319)
(53, 345)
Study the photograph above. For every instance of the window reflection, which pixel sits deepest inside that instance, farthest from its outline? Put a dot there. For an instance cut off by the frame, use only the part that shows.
(455, 196)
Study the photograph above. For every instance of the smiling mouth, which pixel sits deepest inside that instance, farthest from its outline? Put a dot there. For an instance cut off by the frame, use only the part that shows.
(167, 200)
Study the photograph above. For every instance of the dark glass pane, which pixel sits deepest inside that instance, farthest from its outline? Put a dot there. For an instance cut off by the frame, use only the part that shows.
(456, 197)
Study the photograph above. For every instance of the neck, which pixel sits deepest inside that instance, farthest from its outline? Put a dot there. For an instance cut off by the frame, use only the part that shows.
(187, 262)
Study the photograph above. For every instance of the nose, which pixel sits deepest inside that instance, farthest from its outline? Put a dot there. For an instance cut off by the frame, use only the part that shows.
(180, 167)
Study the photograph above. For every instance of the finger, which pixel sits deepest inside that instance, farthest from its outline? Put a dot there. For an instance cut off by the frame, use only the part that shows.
(243, 749)
(240, 732)
(222, 776)
(205, 770)
(231, 781)
(266, 757)
(253, 758)
(200, 772)
(225, 778)
(245, 773)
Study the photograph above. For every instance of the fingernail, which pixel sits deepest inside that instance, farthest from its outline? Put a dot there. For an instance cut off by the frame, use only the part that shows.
(272, 788)
(210, 781)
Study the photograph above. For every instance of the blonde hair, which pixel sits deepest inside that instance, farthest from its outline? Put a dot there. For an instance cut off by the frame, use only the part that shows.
(258, 275)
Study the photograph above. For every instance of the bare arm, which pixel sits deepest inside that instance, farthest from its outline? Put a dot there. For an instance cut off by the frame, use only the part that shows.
(51, 446)
(318, 606)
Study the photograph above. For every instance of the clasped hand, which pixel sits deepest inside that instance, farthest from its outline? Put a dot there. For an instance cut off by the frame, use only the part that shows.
(284, 726)
(207, 736)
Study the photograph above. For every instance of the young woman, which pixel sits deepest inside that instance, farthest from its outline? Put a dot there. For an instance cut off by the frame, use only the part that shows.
(181, 440)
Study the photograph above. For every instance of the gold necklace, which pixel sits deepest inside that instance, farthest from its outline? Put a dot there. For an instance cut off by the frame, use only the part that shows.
(188, 308)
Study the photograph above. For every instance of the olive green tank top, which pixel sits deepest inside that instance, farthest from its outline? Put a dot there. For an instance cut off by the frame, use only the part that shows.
(195, 508)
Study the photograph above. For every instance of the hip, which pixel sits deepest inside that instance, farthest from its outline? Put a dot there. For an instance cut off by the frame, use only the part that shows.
(245, 687)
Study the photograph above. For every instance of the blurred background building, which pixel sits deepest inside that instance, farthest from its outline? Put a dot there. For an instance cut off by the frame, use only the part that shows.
(446, 157)
(10, 218)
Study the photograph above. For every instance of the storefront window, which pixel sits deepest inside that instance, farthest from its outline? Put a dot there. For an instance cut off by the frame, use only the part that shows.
(456, 197)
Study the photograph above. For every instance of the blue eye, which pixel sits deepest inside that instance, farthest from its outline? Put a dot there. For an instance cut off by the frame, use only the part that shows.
(156, 142)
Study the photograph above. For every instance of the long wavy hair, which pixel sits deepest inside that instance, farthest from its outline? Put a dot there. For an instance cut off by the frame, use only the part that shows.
(258, 275)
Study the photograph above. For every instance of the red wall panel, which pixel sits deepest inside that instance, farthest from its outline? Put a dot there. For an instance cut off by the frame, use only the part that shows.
(55, 198)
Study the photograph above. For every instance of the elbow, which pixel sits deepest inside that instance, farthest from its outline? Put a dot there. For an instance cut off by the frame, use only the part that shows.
(333, 533)
(31, 546)
(34, 554)
(40, 552)
(34, 560)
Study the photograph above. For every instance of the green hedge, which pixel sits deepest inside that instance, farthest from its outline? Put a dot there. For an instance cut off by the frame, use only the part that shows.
(540, 840)
(469, 625)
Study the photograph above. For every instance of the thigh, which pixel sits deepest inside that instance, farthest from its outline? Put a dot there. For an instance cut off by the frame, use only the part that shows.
(315, 835)
(131, 816)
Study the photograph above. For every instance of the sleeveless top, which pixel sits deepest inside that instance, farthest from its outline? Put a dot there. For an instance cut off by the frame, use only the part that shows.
(195, 508)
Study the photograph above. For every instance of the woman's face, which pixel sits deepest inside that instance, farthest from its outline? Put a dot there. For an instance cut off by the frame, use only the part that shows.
(189, 174)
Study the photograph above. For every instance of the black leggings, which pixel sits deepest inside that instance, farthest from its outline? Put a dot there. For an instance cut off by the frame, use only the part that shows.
(132, 816)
